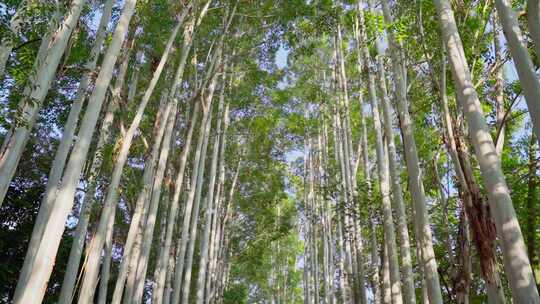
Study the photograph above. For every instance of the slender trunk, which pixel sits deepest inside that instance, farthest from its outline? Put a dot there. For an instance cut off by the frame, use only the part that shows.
(179, 268)
(154, 204)
(186, 284)
(112, 194)
(168, 282)
(499, 87)
(413, 167)
(397, 192)
(354, 237)
(532, 200)
(219, 209)
(375, 262)
(386, 283)
(425, 297)
(214, 66)
(106, 265)
(382, 166)
(477, 213)
(40, 82)
(462, 280)
(522, 60)
(516, 261)
(313, 225)
(59, 161)
(60, 157)
(131, 260)
(210, 213)
(307, 266)
(533, 18)
(222, 239)
(31, 288)
(483, 228)
(214, 245)
(173, 213)
(141, 206)
(343, 159)
(164, 210)
(68, 284)
(388, 222)
(363, 146)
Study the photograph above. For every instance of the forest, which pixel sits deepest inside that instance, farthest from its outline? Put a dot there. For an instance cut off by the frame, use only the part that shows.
(269, 151)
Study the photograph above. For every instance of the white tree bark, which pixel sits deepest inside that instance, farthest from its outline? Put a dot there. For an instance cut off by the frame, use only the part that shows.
(154, 204)
(413, 168)
(40, 82)
(32, 286)
(385, 276)
(499, 86)
(375, 262)
(68, 284)
(90, 277)
(516, 262)
(523, 62)
(106, 265)
(210, 209)
(141, 207)
(384, 178)
(533, 18)
(186, 283)
(179, 268)
(397, 193)
(173, 213)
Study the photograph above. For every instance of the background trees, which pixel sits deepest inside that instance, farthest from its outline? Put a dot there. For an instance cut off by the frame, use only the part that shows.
(268, 151)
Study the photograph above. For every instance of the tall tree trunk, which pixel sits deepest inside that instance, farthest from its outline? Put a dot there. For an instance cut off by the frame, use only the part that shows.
(354, 236)
(375, 261)
(463, 273)
(68, 284)
(188, 210)
(112, 194)
(154, 204)
(39, 82)
(134, 241)
(61, 155)
(533, 18)
(385, 276)
(388, 222)
(499, 87)
(413, 167)
(516, 261)
(532, 201)
(186, 283)
(31, 285)
(397, 193)
(483, 228)
(523, 62)
(382, 166)
(210, 212)
(141, 206)
(106, 265)
(477, 212)
(219, 209)
(173, 213)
